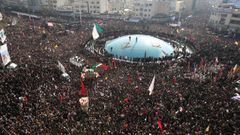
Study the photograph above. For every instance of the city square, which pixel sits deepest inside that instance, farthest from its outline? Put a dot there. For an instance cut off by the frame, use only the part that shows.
(90, 72)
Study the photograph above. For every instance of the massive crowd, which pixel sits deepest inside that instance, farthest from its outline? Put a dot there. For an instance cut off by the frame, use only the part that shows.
(34, 100)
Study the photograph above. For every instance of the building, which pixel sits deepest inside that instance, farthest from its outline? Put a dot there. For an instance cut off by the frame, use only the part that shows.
(146, 9)
(189, 5)
(16, 3)
(205, 6)
(90, 6)
(56, 4)
(120, 5)
(226, 17)
(116, 5)
(180, 5)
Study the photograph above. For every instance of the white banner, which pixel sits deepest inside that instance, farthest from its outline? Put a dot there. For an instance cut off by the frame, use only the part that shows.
(84, 102)
(4, 54)
(14, 21)
(1, 17)
(2, 36)
(61, 67)
(95, 34)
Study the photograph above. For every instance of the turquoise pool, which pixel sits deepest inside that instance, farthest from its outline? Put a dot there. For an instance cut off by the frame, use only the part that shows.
(138, 46)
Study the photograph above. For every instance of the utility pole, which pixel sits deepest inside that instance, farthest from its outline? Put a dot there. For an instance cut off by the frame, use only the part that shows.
(80, 12)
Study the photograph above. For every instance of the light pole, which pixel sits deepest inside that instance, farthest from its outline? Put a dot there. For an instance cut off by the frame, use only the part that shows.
(80, 12)
(179, 17)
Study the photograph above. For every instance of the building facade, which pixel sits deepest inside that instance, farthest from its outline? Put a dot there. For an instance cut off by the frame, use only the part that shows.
(225, 17)
(90, 6)
(146, 9)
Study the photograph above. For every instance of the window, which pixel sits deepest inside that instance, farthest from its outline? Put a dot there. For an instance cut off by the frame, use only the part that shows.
(222, 21)
(235, 22)
(236, 15)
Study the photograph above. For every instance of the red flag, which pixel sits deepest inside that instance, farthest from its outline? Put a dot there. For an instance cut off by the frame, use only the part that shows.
(215, 79)
(61, 98)
(82, 91)
(125, 125)
(201, 63)
(159, 124)
(174, 80)
(129, 78)
(126, 100)
(114, 63)
(25, 99)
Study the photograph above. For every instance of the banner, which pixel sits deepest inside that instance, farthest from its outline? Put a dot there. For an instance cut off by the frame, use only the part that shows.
(61, 67)
(84, 102)
(14, 21)
(2, 36)
(95, 34)
(151, 87)
(1, 17)
(4, 54)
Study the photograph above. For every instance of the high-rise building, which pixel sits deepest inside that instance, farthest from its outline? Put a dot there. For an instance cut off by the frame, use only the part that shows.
(90, 6)
(148, 8)
(226, 16)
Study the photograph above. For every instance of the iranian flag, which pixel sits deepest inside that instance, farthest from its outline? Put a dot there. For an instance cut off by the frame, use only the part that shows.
(99, 28)
(96, 29)
(100, 65)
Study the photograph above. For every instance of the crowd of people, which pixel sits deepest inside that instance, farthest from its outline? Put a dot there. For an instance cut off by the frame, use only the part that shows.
(34, 99)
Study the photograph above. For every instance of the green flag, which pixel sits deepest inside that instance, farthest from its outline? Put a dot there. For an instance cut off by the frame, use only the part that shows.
(99, 28)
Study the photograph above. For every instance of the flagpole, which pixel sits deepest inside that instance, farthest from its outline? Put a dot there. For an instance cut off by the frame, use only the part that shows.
(80, 12)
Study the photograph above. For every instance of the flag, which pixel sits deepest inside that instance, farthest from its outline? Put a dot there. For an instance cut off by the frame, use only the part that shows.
(237, 98)
(4, 54)
(61, 98)
(95, 33)
(207, 129)
(14, 21)
(99, 28)
(2, 36)
(126, 100)
(83, 75)
(1, 17)
(216, 61)
(129, 78)
(61, 67)
(125, 125)
(159, 124)
(174, 80)
(12, 65)
(82, 91)
(84, 102)
(114, 65)
(100, 65)
(151, 87)
(49, 24)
